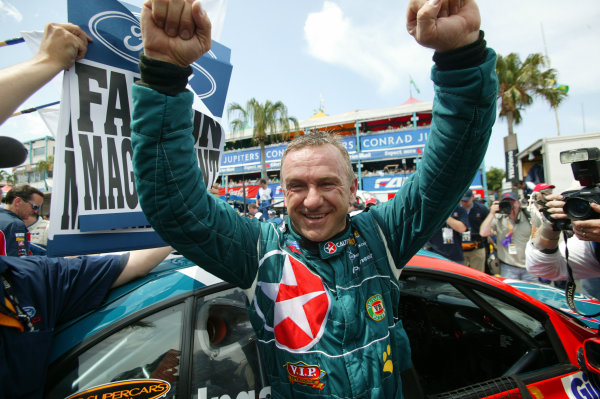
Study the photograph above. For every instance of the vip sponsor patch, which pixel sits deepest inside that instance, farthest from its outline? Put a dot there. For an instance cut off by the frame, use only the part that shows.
(302, 373)
(375, 307)
(138, 389)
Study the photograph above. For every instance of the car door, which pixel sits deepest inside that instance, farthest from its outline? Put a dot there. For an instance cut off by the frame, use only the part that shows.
(199, 345)
(471, 340)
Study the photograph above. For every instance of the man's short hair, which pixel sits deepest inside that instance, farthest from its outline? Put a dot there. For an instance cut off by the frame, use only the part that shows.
(24, 191)
(252, 205)
(317, 139)
(262, 181)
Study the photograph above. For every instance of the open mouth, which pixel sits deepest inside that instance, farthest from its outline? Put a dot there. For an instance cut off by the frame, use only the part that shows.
(316, 217)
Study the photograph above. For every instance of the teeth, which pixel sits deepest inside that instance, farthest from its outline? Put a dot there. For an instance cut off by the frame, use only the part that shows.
(315, 216)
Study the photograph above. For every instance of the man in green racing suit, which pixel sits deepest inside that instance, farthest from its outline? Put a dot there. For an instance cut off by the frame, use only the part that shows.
(323, 289)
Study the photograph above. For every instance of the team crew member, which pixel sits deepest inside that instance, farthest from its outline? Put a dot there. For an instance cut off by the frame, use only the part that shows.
(447, 241)
(38, 293)
(473, 244)
(22, 203)
(323, 290)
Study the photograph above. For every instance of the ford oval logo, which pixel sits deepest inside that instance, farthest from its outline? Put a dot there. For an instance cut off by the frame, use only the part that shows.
(126, 26)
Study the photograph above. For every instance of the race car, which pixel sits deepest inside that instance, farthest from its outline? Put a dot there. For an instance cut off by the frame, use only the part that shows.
(181, 332)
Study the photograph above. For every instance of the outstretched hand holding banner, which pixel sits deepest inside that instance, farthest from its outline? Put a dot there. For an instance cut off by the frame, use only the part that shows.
(95, 206)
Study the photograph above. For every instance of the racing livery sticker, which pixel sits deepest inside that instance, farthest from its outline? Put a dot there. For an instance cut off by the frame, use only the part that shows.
(134, 389)
(330, 247)
(302, 373)
(375, 307)
(578, 386)
(265, 393)
(301, 308)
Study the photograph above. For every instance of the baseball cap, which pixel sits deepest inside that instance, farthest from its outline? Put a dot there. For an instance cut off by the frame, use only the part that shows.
(12, 152)
(468, 195)
(511, 196)
(542, 186)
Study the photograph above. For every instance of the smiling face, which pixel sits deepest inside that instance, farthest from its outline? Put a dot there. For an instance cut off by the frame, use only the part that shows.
(317, 191)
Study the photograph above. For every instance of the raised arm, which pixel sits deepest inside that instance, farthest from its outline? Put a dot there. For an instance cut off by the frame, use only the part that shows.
(61, 46)
(485, 230)
(169, 183)
(464, 111)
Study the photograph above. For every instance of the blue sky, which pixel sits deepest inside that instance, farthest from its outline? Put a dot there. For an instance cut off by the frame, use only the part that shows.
(357, 55)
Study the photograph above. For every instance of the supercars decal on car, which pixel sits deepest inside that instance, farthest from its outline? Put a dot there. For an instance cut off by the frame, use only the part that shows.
(134, 389)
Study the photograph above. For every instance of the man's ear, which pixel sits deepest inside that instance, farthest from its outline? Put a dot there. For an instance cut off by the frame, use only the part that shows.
(353, 189)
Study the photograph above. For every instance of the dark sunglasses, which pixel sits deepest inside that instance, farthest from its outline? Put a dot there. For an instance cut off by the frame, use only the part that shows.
(35, 207)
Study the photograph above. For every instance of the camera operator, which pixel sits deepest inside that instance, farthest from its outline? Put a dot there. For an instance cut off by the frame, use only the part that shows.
(574, 210)
(509, 223)
(546, 252)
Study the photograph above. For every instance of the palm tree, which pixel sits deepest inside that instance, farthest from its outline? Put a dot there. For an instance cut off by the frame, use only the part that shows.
(11, 180)
(520, 82)
(265, 119)
(44, 167)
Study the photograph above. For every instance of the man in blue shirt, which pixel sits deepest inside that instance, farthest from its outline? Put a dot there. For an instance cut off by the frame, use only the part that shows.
(473, 243)
(447, 241)
(38, 293)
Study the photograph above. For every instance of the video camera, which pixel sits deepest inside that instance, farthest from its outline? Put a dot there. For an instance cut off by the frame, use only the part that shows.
(585, 163)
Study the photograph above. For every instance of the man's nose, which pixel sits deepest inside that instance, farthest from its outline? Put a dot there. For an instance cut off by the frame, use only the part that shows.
(313, 198)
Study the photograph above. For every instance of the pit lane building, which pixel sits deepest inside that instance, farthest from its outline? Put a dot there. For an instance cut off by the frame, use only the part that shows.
(385, 145)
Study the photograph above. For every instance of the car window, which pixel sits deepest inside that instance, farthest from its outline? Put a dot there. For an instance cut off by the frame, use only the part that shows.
(148, 349)
(460, 337)
(225, 355)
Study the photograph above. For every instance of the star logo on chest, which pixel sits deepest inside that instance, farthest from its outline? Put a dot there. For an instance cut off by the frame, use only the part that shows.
(301, 306)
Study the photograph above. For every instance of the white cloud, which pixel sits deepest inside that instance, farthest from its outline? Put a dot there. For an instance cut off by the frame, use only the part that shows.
(25, 127)
(571, 35)
(377, 51)
(8, 10)
(373, 41)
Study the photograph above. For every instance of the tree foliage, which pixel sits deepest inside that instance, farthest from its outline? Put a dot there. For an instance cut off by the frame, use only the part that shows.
(521, 81)
(264, 119)
(494, 178)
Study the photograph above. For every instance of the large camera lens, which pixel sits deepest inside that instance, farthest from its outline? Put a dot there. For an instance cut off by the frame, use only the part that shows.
(505, 207)
(578, 208)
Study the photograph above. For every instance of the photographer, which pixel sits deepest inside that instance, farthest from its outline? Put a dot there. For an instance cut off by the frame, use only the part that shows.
(510, 225)
(546, 253)
(574, 210)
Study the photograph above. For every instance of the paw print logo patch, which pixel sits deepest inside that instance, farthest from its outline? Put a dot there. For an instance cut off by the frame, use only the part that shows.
(388, 366)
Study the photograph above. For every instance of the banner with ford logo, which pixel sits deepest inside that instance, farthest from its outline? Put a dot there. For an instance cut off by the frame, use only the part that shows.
(94, 199)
